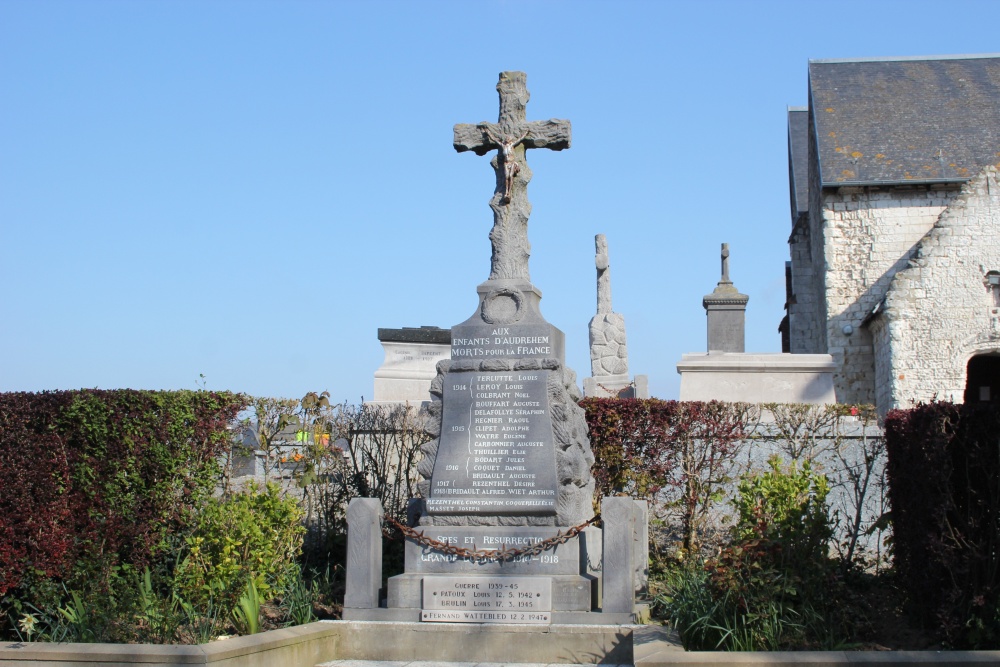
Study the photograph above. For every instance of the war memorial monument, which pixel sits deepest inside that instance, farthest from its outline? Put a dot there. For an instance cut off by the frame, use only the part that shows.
(505, 529)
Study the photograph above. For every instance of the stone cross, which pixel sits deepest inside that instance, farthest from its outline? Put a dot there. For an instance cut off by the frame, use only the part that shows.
(510, 136)
(603, 275)
(725, 263)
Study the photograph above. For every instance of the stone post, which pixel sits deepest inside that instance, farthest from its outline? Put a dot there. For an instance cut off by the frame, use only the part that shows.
(619, 515)
(364, 554)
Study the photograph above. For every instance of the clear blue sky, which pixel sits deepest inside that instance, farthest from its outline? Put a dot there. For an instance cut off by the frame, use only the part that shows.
(249, 190)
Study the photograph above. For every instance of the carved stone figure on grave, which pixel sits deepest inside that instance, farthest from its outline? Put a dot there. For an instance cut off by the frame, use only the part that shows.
(608, 344)
(511, 135)
(608, 348)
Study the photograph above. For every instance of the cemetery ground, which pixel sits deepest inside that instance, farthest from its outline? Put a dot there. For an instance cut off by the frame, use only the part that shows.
(129, 516)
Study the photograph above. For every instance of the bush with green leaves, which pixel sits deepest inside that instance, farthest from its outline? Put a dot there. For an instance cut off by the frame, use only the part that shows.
(786, 508)
(254, 535)
(771, 587)
(98, 485)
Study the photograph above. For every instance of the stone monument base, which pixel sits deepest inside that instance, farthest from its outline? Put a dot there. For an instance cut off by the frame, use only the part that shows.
(757, 378)
(588, 577)
(616, 386)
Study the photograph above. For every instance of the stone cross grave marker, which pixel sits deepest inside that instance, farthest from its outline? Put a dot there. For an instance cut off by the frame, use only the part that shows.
(507, 478)
(510, 136)
(513, 448)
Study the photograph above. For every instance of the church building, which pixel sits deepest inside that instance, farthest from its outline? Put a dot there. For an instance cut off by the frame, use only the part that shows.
(895, 242)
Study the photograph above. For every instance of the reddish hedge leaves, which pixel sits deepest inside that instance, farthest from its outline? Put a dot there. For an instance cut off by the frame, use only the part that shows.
(92, 479)
(944, 486)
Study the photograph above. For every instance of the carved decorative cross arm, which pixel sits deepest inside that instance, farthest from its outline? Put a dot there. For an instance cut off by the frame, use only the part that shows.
(510, 136)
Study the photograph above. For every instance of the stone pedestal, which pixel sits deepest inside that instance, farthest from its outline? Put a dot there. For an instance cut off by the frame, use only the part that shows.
(364, 554)
(757, 378)
(410, 365)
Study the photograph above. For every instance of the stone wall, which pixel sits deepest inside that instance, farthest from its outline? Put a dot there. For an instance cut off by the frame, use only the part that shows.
(806, 313)
(939, 311)
(869, 235)
(806, 330)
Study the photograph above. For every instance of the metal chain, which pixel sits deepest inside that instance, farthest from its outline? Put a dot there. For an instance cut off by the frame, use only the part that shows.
(482, 555)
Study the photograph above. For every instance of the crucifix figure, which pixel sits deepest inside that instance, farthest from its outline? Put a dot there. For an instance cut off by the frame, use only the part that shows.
(510, 136)
(725, 262)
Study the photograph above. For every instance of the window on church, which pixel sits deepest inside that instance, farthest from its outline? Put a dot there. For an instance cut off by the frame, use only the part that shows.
(993, 285)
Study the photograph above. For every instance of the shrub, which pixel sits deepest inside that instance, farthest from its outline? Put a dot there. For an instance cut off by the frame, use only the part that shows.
(95, 482)
(250, 538)
(943, 474)
(786, 508)
(677, 455)
(764, 591)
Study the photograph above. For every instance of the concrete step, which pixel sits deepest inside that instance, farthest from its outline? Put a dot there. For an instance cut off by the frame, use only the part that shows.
(422, 663)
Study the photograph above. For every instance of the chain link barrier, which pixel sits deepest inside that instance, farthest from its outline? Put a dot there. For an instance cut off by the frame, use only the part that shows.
(501, 555)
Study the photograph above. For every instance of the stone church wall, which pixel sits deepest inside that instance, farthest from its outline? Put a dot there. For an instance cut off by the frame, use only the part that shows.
(868, 235)
(939, 310)
(806, 329)
(806, 312)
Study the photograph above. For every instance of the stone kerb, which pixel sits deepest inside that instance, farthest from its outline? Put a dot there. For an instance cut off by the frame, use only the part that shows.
(326, 643)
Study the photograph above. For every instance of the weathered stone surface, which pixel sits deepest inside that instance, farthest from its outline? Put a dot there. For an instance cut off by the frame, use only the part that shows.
(619, 554)
(409, 365)
(557, 429)
(608, 352)
(757, 378)
(940, 309)
(510, 136)
(558, 559)
(608, 346)
(725, 309)
(364, 553)
(496, 454)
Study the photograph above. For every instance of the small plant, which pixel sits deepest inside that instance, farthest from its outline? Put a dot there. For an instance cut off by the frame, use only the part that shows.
(78, 619)
(28, 625)
(764, 591)
(297, 602)
(787, 509)
(204, 623)
(247, 611)
(156, 617)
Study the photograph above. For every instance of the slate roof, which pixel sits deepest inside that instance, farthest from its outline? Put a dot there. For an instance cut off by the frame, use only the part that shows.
(798, 160)
(423, 334)
(928, 119)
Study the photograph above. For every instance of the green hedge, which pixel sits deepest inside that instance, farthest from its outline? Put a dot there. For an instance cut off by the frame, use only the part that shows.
(96, 480)
(944, 486)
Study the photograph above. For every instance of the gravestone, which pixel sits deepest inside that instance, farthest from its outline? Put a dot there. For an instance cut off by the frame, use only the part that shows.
(506, 491)
(727, 373)
(726, 310)
(608, 344)
(411, 356)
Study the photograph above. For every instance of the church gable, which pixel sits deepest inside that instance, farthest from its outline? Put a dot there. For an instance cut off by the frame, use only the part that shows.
(941, 309)
(888, 145)
(913, 120)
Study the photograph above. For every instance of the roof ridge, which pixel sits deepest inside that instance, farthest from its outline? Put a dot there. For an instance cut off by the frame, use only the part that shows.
(876, 59)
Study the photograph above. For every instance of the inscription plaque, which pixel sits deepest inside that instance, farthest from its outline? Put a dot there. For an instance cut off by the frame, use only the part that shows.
(487, 599)
(559, 559)
(496, 453)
